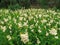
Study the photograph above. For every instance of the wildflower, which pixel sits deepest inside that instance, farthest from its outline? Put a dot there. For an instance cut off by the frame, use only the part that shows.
(32, 30)
(3, 28)
(48, 24)
(2, 22)
(40, 15)
(38, 41)
(24, 19)
(7, 11)
(25, 15)
(24, 37)
(51, 21)
(19, 24)
(44, 21)
(47, 33)
(39, 31)
(10, 26)
(53, 31)
(14, 20)
(36, 16)
(31, 26)
(25, 24)
(5, 19)
(56, 37)
(20, 18)
(46, 15)
(30, 17)
(8, 37)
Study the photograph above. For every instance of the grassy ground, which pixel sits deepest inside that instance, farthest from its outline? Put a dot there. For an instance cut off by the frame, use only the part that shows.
(29, 27)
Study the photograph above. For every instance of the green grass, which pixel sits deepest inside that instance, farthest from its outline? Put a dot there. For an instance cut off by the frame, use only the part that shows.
(29, 27)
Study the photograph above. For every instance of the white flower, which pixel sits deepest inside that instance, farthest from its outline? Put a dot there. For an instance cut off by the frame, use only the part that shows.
(53, 31)
(34, 20)
(2, 22)
(24, 37)
(38, 41)
(8, 37)
(25, 15)
(32, 30)
(36, 24)
(14, 19)
(5, 19)
(39, 31)
(37, 21)
(10, 26)
(36, 16)
(44, 21)
(24, 19)
(47, 33)
(7, 11)
(20, 18)
(25, 24)
(56, 37)
(31, 26)
(30, 17)
(48, 24)
(46, 15)
(51, 21)
(3, 28)
(10, 31)
(19, 24)
(40, 16)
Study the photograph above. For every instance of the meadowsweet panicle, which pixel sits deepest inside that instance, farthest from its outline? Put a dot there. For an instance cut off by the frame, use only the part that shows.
(39, 31)
(44, 21)
(10, 26)
(20, 24)
(3, 28)
(30, 17)
(40, 15)
(47, 33)
(25, 15)
(38, 41)
(8, 37)
(53, 31)
(56, 37)
(24, 37)
(51, 21)
(14, 19)
(7, 11)
(48, 24)
(2, 22)
(25, 24)
(5, 19)
(20, 18)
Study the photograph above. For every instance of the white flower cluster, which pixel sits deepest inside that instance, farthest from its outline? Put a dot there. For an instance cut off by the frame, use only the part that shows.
(24, 37)
(34, 20)
(8, 37)
(53, 31)
(3, 28)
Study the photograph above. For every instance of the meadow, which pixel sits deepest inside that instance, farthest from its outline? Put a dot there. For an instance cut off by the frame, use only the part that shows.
(29, 27)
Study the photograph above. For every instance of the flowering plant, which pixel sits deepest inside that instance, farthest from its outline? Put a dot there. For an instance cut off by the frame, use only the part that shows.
(29, 27)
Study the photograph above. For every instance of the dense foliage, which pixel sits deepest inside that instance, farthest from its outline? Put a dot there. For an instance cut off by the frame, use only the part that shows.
(29, 27)
(28, 3)
(12, 3)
